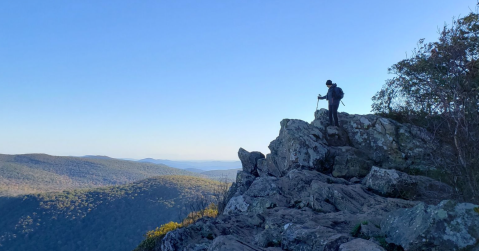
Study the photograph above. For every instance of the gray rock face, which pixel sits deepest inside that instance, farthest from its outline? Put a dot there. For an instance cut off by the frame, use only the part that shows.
(336, 136)
(236, 205)
(360, 245)
(298, 145)
(266, 167)
(432, 191)
(350, 162)
(249, 160)
(318, 190)
(394, 145)
(447, 226)
(229, 242)
(306, 237)
(393, 183)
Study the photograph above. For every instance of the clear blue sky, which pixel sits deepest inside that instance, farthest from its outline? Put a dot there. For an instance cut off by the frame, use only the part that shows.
(192, 79)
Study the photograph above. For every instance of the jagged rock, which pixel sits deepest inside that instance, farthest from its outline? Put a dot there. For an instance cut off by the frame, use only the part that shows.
(298, 144)
(306, 237)
(391, 183)
(333, 243)
(263, 187)
(448, 226)
(385, 141)
(249, 160)
(355, 180)
(230, 243)
(264, 193)
(236, 205)
(368, 230)
(350, 162)
(360, 245)
(432, 191)
(336, 136)
(298, 198)
(266, 167)
(327, 194)
(180, 239)
(243, 182)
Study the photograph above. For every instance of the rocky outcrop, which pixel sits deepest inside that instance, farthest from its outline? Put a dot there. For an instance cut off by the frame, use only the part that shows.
(249, 160)
(449, 225)
(393, 183)
(336, 188)
(386, 142)
(360, 245)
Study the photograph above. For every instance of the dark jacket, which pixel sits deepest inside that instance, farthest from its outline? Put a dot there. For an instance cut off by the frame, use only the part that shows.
(329, 96)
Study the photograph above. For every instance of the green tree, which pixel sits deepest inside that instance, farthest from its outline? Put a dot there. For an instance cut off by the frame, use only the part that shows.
(438, 87)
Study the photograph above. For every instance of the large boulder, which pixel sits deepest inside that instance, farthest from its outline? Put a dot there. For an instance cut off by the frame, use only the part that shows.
(231, 243)
(393, 183)
(383, 140)
(243, 182)
(298, 145)
(266, 167)
(448, 226)
(249, 160)
(360, 245)
(350, 162)
(236, 204)
(306, 237)
(337, 136)
(432, 191)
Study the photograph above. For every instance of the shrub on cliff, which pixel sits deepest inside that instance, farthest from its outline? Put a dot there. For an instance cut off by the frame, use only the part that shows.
(154, 236)
(438, 88)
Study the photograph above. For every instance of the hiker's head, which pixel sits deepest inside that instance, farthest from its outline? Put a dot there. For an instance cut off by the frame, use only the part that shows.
(329, 83)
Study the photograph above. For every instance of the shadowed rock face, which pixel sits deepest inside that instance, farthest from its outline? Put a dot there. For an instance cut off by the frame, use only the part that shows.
(449, 225)
(318, 190)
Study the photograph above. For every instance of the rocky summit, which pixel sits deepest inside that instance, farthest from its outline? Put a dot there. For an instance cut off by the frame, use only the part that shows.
(343, 188)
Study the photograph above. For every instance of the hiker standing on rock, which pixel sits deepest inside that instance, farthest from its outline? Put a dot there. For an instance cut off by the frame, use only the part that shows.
(334, 96)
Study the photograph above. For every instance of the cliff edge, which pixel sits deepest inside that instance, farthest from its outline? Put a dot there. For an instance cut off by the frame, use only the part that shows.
(341, 188)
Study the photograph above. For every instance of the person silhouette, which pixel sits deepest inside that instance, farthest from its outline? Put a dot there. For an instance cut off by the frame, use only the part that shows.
(334, 97)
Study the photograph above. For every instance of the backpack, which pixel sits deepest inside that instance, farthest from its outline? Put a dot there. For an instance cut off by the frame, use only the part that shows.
(338, 93)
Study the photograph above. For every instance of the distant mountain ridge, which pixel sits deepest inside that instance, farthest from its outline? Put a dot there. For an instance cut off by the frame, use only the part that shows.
(36, 173)
(97, 157)
(222, 175)
(202, 165)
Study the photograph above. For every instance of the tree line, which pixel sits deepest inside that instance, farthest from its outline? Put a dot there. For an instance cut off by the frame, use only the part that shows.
(437, 87)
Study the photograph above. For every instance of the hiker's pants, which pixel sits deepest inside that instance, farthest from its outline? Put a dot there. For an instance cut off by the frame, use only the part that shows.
(333, 112)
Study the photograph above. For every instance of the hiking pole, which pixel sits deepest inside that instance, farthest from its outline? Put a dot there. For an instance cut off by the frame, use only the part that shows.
(341, 103)
(317, 102)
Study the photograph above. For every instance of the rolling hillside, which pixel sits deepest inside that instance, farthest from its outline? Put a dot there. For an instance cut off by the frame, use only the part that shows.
(37, 173)
(108, 218)
(220, 175)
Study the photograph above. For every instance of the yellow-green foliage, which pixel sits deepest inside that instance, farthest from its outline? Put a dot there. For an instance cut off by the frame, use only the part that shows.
(210, 211)
(151, 237)
(476, 209)
(161, 231)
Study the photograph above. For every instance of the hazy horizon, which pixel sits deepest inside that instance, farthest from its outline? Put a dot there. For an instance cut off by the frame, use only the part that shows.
(126, 158)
